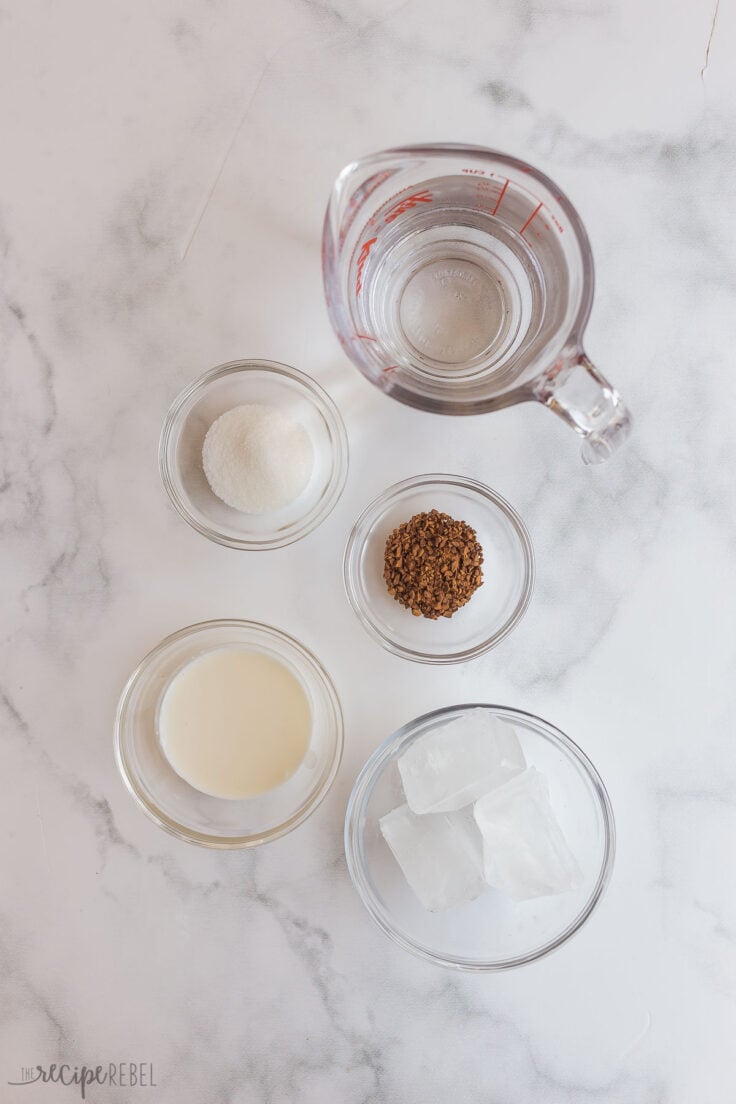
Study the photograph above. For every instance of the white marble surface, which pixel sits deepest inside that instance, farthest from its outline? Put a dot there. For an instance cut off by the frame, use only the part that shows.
(165, 169)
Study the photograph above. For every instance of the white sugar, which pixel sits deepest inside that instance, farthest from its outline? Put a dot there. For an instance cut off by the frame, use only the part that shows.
(257, 459)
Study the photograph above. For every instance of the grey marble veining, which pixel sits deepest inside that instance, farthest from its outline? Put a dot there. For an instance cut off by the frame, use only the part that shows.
(165, 172)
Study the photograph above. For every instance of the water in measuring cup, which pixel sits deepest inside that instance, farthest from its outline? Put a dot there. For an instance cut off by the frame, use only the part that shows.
(456, 291)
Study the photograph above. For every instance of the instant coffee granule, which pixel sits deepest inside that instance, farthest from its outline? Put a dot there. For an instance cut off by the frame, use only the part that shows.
(432, 564)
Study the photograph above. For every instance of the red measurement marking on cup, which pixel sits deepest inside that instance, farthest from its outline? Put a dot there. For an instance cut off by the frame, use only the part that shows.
(425, 196)
(362, 258)
(363, 337)
(558, 224)
(535, 212)
(498, 201)
(391, 368)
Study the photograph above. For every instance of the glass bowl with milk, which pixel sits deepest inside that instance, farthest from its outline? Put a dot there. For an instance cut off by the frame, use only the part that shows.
(229, 734)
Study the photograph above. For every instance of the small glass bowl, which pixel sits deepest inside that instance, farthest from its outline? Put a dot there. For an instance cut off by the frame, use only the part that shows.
(198, 817)
(196, 408)
(493, 932)
(495, 608)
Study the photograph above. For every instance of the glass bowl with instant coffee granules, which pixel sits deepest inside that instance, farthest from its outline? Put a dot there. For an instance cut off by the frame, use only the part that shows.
(439, 568)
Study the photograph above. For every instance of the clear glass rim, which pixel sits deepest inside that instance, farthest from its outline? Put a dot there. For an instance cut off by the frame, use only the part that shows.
(338, 439)
(203, 839)
(356, 867)
(378, 504)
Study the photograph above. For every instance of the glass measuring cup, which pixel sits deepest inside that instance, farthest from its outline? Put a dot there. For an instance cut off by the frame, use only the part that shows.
(460, 281)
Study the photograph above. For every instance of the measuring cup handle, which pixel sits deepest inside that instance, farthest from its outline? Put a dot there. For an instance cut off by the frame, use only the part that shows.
(576, 390)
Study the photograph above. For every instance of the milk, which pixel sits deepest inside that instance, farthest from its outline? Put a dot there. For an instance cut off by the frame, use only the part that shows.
(234, 723)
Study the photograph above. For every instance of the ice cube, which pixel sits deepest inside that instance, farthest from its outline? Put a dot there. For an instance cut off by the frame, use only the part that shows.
(525, 853)
(440, 855)
(452, 766)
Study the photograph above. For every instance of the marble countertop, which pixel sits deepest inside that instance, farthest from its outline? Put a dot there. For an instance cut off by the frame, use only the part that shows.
(165, 171)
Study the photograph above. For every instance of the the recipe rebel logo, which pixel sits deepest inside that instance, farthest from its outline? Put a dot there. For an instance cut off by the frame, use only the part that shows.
(122, 1075)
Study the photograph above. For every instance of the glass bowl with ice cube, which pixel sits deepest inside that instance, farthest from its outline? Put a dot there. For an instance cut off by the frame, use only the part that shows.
(492, 611)
(479, 837)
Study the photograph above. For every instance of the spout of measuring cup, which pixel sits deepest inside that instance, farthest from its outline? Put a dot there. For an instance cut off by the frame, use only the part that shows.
(346, 214)
(357, 192)
(576, 390)
(351, 201)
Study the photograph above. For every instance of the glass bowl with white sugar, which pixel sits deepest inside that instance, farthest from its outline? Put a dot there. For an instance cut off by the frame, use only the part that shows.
(229, 734)
(253, 454)
(479, 837)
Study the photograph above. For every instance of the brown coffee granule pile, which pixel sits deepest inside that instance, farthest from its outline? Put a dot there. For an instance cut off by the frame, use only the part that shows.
(432, 564)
